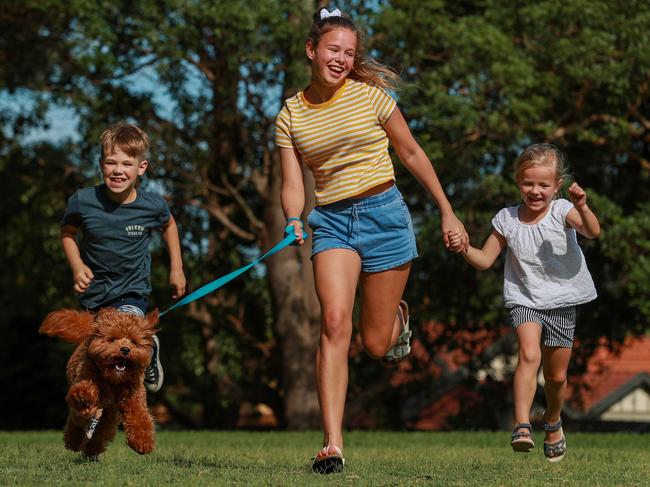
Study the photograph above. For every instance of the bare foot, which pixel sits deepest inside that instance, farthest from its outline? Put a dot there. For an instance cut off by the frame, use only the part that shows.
(328, 450)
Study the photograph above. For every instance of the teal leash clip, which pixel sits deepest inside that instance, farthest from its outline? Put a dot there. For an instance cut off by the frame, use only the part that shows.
(289, 239)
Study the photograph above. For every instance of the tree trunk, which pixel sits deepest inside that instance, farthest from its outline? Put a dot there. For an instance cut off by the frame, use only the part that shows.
(297, 315)
(290, 273)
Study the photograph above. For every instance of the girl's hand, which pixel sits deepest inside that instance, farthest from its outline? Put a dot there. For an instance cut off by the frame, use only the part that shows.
(298, 232)
(455, 241)
(577, 195)
(452, 225)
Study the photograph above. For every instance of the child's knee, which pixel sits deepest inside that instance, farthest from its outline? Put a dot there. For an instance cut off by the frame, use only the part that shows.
(555, 378)
(530, 356)
(336, 326)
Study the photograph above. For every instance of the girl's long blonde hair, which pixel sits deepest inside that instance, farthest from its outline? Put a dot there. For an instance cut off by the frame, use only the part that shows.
(365, 68)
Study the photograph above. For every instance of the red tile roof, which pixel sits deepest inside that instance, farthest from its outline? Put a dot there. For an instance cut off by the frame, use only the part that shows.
(607, 371)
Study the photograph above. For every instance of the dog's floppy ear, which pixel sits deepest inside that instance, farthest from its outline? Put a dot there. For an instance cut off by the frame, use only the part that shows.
(68, 324)
(153, 318)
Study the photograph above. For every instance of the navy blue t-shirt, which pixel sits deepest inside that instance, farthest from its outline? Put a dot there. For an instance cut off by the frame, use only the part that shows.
(114, 241)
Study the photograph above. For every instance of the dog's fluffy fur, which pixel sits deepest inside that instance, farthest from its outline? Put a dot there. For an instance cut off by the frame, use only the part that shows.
(105, 374)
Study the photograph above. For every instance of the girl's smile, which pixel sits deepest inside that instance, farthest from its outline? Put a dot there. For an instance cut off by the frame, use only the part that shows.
(333, 58)
(537, 186)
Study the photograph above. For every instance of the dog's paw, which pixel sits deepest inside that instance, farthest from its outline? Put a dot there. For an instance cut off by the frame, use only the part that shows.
(83, 402)
(142, 443)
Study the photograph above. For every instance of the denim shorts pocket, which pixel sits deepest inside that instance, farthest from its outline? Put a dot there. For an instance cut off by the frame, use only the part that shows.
(390, 216)
(407, 215)
(312, 219)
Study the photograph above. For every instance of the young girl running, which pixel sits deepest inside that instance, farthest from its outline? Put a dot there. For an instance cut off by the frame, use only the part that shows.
(340, 127)
(545, 278)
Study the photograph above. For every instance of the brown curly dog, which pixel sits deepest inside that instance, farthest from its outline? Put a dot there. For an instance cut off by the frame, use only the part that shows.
(105, 374)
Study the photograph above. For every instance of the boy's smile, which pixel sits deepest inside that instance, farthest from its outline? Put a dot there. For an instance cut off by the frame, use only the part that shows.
(120, 172)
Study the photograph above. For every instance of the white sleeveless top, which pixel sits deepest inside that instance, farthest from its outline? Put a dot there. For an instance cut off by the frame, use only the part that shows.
(545, 267)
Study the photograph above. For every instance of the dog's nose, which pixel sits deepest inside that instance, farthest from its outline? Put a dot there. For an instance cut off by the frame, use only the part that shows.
(125, 350)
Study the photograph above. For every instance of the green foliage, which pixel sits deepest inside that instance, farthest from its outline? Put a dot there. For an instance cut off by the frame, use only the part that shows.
(491, 77)
(205, 80)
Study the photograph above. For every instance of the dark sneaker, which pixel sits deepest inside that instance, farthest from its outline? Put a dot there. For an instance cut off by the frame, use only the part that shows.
(153, 375)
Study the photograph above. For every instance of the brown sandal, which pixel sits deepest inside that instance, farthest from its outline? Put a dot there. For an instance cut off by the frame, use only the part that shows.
(522, 441)
(554, 452)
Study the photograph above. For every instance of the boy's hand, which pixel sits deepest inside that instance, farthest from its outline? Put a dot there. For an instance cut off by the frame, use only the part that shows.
(577, 195)
(82, 278)
(456, 243)
(177, 282)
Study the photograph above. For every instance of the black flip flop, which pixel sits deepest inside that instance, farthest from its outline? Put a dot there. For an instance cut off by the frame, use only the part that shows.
(330, 463)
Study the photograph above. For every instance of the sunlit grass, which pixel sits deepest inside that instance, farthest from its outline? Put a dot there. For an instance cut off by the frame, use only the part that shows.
(373, 459)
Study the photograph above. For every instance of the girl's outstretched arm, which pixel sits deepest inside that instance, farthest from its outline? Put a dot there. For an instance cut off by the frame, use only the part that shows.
(293, 188)
(581, 217)
(483, 258)
(417, 162)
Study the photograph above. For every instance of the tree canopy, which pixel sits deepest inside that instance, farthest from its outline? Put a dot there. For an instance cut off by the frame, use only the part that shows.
(205, 80)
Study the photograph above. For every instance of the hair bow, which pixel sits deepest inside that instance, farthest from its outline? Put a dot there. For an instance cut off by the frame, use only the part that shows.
(324, 13)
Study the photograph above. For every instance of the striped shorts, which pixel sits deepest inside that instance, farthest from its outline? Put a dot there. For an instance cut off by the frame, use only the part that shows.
(558, 324)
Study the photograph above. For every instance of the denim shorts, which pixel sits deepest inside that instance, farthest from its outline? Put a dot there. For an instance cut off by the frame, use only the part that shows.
(128, 303)
(378, 228)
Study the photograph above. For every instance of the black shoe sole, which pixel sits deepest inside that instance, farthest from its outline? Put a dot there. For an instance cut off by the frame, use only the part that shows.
(327, 465)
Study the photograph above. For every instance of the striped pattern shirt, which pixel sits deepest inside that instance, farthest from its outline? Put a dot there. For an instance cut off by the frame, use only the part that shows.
(342, 141)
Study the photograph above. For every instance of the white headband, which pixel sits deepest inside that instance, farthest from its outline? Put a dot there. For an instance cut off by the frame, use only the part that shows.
(324, 13)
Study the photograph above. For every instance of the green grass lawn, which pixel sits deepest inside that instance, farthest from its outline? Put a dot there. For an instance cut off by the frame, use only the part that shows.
(373, 459)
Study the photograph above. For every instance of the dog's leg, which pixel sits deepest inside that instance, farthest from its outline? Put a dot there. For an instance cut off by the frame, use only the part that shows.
(83, 399)
(138, 423)
(74, 435)
(104, 433)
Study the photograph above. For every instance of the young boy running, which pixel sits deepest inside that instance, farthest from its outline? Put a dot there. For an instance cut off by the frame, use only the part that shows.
(111, 262)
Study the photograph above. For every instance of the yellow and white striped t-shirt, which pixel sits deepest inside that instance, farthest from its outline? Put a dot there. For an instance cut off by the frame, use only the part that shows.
(342, 140)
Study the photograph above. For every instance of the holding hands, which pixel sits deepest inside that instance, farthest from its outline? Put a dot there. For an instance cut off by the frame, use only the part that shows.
(456, 242)
(453, 228)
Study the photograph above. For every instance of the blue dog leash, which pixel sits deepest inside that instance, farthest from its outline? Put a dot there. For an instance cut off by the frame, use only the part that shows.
(290, 238)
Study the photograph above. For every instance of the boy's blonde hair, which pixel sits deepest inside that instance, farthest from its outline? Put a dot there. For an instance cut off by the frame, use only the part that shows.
(126, 137)
(541, 155)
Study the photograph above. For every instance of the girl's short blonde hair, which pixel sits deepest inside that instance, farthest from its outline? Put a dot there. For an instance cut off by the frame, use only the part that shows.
(541, 155)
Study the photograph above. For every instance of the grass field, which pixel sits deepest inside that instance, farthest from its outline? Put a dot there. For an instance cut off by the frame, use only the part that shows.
(373, 459)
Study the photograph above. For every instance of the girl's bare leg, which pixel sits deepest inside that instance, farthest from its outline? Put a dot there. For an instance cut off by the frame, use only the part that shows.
(525, 382)
(336, 273)
(555, 365)
(380, 295)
